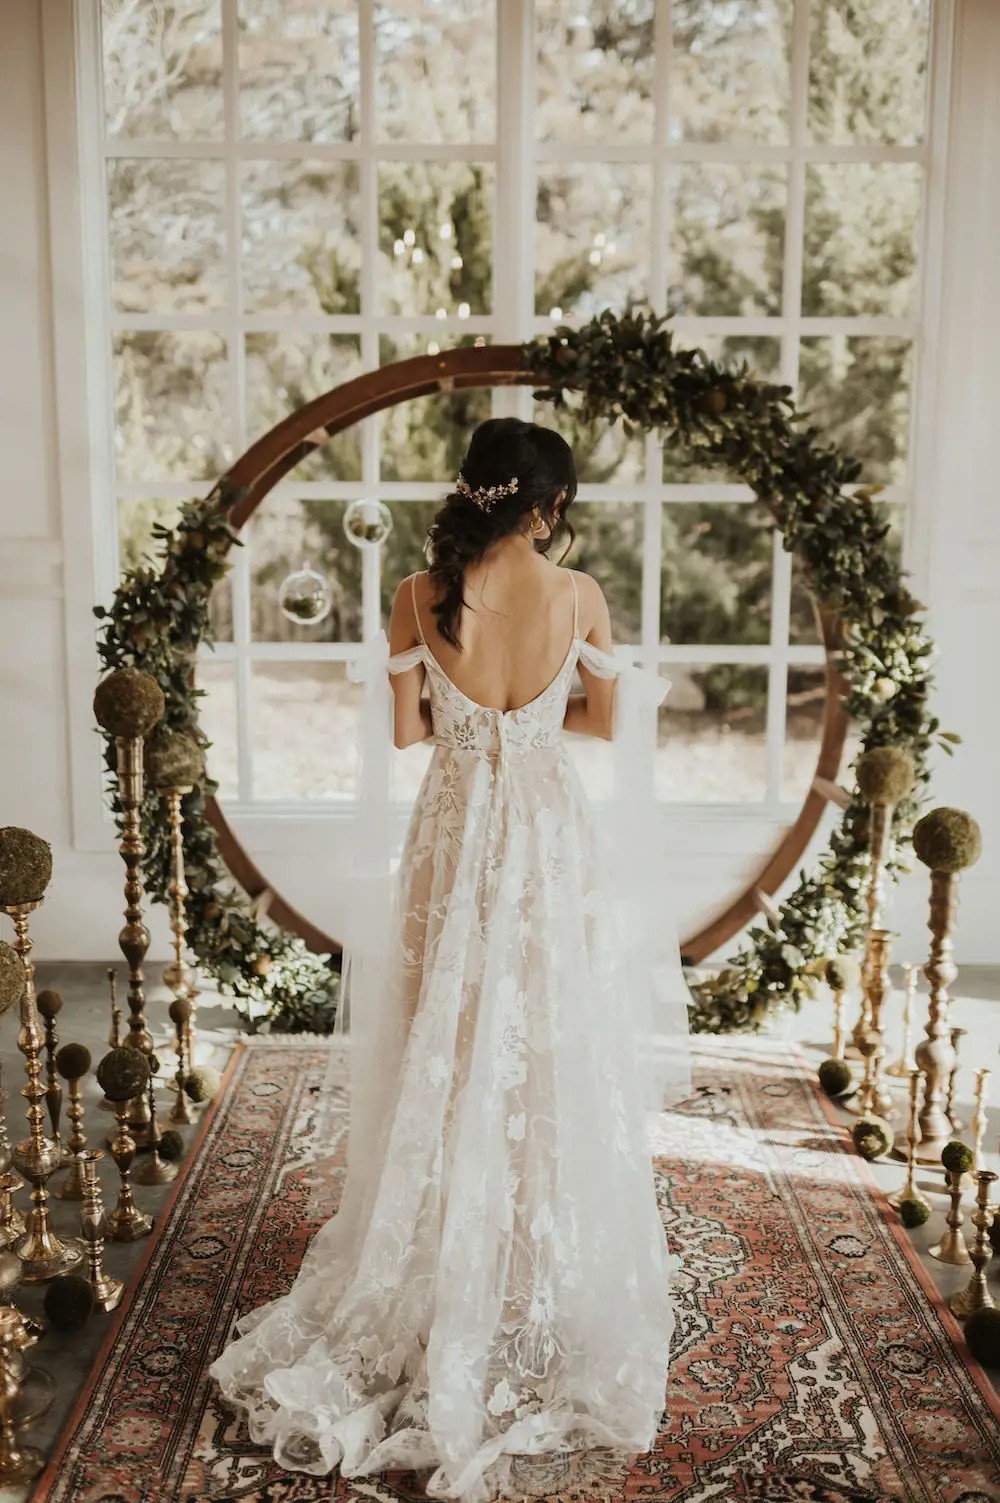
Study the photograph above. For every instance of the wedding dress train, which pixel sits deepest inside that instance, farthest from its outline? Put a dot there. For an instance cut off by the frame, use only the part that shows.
(497, 1279)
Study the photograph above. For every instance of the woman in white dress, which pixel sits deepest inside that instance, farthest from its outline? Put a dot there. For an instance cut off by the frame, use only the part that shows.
(496, 1282)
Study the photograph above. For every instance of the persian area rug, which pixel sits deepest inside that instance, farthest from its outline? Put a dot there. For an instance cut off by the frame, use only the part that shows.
(812, 1359)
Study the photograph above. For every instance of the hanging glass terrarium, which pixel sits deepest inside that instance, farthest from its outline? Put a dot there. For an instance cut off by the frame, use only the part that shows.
(305, 597)
(367, 523)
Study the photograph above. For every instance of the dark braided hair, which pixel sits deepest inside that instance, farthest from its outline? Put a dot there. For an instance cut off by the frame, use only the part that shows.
(462, 531)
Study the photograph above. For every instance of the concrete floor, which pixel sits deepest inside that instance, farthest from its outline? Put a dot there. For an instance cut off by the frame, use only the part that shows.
(85, 1018)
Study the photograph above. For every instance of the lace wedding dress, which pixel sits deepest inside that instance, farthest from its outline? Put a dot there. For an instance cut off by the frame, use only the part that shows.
(496, 1282)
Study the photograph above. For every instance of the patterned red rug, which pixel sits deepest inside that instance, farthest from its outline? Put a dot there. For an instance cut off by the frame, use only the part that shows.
(811, 1359)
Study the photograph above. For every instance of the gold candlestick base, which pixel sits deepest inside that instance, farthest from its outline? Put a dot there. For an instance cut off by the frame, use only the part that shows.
(976, 1295)
(952, 1249)
(126, 1222)
(107, 1290)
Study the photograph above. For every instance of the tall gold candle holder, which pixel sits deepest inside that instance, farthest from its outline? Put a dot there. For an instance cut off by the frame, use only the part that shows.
(952, 1249)
(180, 1016)
(879, 942)
(976, 1294)
(909, 1190)
(979, 1119)
(177, 975)
(43, 1255)
(174, 766)
(904, 1065)
(107, 1290)
(956, 1035)
(155, 1171)
(49, 1004)
(115, 1031)
(122, 1074)
(73, 1062)
(12, 987)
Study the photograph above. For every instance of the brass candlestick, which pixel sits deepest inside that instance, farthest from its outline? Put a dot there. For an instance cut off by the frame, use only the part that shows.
(862, 1106)
(115, 1034)
(180, 1016)
(837, 1051)
(178, 975)
(29, 1327)
(17, 1464)
(126, 1222)
(979, 1119)
(909, 1190)
(956, 1035)
(42, 1254)
(934, 1053)
(904, 1065)
(879, 942)
(94, 1224)
(49, 1004)
(134, 936)
(11, 1219)
(155, 1171)
(73, 1062)
(976, 1294)
(952, 1248)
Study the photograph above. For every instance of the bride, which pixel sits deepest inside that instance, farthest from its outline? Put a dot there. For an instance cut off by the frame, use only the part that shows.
(496, 1283)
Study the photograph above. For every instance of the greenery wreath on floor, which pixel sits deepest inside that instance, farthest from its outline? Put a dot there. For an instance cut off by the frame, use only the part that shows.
(629, 368)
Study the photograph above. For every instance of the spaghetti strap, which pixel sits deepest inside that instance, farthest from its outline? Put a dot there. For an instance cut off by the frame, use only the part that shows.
(576, 605)
(416, 613)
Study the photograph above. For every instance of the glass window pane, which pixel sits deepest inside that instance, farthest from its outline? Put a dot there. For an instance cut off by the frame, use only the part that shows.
(762, 356)
(216, 683)
(435, 71)
(403, 551)
(602, 451)
(171, 405)
(162, 69)
(283, 373)
(712, 742)
(856, 391)
(299, 69)
(726, 239)
(608, 545)
(715, 582)
(304, 730)
(806, 702)
(592, 238)
(301, 239)
(435, 238)
(729, 70)
(804, 627)
(594, 68)
(136, 543)
(425, 438)
(166, 234)
(868, 70)
(860, 247)
(285, 535)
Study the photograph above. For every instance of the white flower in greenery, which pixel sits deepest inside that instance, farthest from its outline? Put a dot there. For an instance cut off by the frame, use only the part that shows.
(883, 689)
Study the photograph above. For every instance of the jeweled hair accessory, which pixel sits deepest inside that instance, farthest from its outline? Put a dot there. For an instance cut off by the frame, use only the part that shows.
(485, 496)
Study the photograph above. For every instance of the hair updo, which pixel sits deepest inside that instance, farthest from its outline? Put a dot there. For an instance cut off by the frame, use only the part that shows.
(462, 531)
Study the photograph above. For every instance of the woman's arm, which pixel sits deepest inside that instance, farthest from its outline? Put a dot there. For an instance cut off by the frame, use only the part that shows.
(592, 712)
(412, 718)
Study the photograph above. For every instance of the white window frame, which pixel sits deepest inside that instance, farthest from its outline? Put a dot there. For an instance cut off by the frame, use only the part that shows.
(83, 318)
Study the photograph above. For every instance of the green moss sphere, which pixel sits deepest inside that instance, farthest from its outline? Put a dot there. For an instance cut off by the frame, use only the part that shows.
(12, 977)
(202, 1083)
(835, 1076)
(128, 703)
(173, 760)
(171, 1145)
(69, 1302)
(50, 1003)
(913, 1212)
(957, 1156)
(886, 775)
(982, 1334)
(25, 866)
(947, 840)
(73, 1061)
(180, 1010)
(123, 1073)
(842, 973)
(872, 1137)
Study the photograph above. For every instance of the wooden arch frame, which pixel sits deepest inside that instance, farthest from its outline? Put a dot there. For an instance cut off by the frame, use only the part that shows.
(299, 434)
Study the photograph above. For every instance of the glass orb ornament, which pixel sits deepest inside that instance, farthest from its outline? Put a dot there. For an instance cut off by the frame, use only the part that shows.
(367, 523)
(305, 597)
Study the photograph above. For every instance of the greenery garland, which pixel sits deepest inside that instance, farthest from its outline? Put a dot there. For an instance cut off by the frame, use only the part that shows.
(623, 367)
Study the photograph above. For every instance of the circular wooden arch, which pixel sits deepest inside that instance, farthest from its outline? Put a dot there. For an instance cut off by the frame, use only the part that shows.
(306, 429)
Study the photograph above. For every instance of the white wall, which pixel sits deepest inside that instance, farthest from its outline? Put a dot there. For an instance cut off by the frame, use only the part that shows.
(45, 497)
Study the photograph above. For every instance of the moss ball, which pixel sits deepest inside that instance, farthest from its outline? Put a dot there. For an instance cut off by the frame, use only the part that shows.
(128, 703)
(947, 840)
(835, 1076)
(25, 866)
(73, 1061)
(885, 774)
(202, 1083)
(123, 1073)
(872, 1137)
(842, 973)
(69, 1302)
(171, 1145)
(913, 1212)
(180, 1010)
(12, 977)
(49, 1003)
(173, 760)
(982, 1334)
(957, 1156)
